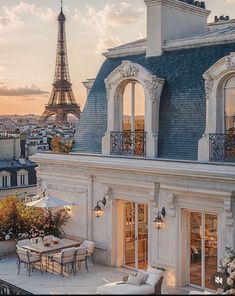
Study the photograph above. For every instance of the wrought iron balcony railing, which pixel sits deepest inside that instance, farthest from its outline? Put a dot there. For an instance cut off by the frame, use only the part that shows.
(9, 289)
(128, 143)
(222, 147)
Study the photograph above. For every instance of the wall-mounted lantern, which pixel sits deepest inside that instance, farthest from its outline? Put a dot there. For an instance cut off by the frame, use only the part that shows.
(159, 220)
(98, 210)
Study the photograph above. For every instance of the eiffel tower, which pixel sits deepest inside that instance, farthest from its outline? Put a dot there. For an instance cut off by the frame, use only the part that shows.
(62, 101)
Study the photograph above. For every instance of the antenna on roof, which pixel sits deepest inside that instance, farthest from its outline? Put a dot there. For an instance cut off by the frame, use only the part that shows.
(61, 5)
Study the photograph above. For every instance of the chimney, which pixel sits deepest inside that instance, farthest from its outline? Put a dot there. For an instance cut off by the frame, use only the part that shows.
(173, 19)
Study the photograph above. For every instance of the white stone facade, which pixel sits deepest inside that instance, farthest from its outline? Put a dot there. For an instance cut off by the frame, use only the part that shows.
(178, 186)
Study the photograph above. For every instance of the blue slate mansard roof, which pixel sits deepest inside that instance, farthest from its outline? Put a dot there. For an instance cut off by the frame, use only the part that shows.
(182, 107)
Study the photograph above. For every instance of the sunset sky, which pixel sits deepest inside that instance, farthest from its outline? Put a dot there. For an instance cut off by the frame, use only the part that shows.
(28, 33)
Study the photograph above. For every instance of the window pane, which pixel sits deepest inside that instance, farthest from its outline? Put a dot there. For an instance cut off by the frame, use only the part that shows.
(230, 105)
(230, 108)
(195, 224)
(127, 108)
(139, 108)
(142, 236)
(231, 82)
(130, 234)
(210, 248)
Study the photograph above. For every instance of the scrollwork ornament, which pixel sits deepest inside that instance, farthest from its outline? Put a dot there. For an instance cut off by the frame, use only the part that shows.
(108, 88)
(128, 69)
(230, 63)
(152, 86)
(209, 83)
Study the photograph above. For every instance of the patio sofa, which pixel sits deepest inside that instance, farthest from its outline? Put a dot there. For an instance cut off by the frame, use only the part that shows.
(151, 286)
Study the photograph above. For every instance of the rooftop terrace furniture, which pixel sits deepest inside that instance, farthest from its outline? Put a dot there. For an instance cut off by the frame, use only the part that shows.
(64, 258)
(80, 256)
(122, 288)
(90, 246)
(28, 258)
(24, 242)
(36, 240)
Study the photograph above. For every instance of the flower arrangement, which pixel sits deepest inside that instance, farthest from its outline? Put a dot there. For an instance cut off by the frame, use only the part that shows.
(228, 268)
(17, 221)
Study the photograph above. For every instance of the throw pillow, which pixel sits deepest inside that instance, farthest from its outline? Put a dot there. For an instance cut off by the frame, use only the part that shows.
(195, 250)
(134, 280)
(143, 276)
(154, 276)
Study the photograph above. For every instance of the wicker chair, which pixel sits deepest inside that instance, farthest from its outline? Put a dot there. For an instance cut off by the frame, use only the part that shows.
(29, 259)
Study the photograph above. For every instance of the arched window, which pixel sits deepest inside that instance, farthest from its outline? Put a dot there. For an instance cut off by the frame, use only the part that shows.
(133, 96)
(133, 108)
(229, 105)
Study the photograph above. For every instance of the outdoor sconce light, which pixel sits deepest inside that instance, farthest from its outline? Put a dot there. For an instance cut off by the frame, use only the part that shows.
(159, 219)
(98, 210)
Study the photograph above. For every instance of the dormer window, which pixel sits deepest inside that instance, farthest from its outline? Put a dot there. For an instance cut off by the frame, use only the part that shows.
(218, 141)
(5, 178)
(22, 178)
(130, 136)
(133, 95)
(229, 102)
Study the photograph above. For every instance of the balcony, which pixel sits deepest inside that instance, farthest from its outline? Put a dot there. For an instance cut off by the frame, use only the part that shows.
(128, 143)
(222, 147)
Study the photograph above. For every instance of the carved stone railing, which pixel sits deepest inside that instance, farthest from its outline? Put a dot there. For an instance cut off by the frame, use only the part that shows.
(128, 143)
(222, 147)
(9, 289)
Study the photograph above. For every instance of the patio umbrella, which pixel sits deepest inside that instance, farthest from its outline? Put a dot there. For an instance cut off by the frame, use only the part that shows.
(48, 201)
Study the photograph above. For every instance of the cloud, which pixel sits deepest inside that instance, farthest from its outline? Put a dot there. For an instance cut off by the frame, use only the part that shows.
(20, 91)
(13, 15)
(112, 15)
(106, 43)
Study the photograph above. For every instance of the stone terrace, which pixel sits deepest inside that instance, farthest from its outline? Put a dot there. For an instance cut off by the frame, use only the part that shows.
(82, 283)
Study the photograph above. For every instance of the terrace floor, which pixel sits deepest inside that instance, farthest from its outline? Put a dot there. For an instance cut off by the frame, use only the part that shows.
(81, 283)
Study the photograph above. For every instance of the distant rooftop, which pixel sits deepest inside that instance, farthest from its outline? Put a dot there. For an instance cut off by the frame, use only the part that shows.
(200, 4)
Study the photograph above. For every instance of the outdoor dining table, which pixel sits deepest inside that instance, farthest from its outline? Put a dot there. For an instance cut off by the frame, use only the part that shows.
(42, 250)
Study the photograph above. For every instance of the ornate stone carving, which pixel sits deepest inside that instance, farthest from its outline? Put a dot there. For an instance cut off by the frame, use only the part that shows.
(209, 83)
(230, 63)
(152, 86)
(108, 88)
(128, 69)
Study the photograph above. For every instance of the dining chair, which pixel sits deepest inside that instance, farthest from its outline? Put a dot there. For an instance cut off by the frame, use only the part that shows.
(29, 259)
(90, 246)
(80, 256)
(21, 243)
(24, 242)
(64, 258)
(36, 240)
(49, 237)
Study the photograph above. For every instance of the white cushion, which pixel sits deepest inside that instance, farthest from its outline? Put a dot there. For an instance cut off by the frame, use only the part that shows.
(124, 289)
(134, 280)
(154, 276)
(143, 276)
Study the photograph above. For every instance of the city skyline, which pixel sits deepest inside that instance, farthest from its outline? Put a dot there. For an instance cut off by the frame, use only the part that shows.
(28, 33)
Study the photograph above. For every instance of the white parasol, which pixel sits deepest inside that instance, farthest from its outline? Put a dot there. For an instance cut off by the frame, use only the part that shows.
(47, 201)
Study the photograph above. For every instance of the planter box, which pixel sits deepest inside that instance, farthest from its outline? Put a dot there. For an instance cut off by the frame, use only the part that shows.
(7, 247)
